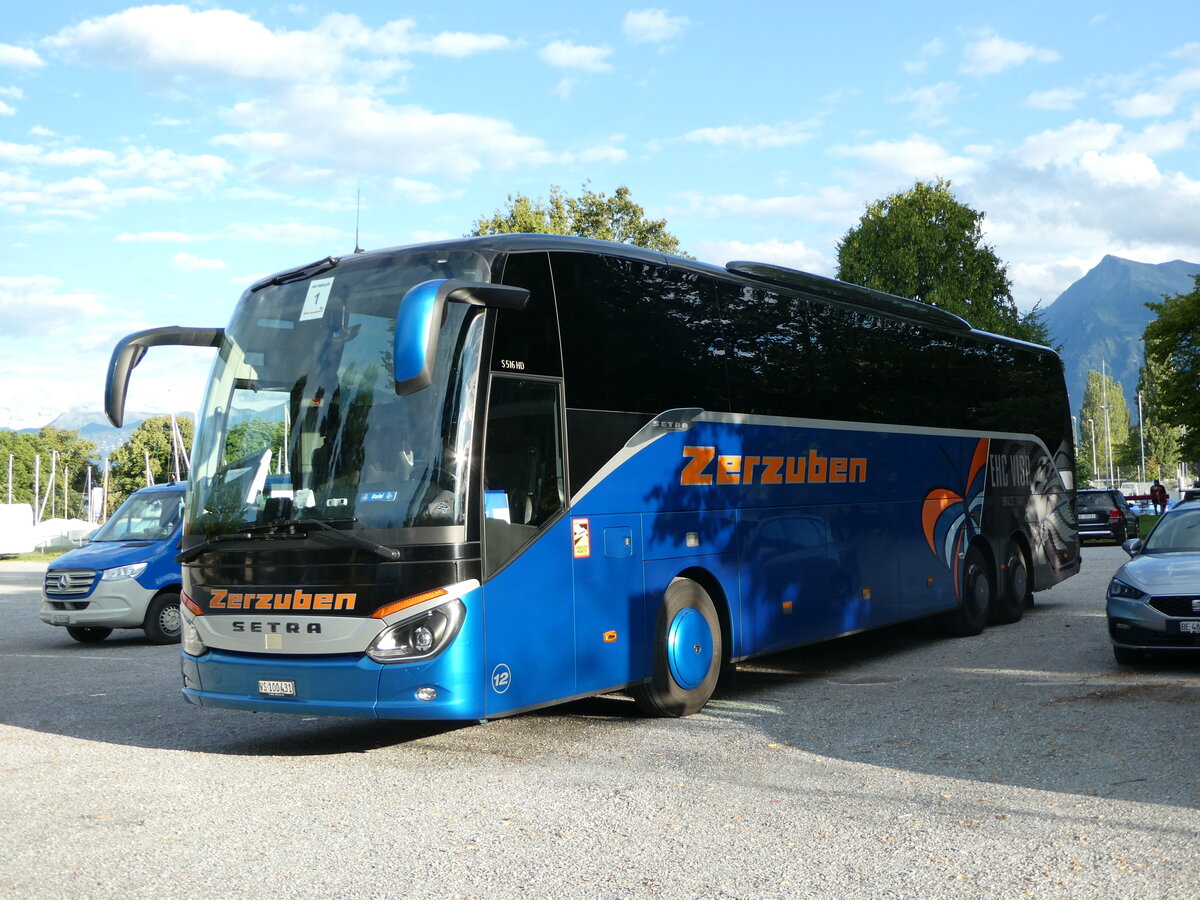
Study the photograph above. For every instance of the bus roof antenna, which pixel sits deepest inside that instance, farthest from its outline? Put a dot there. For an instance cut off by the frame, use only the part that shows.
(357, 212)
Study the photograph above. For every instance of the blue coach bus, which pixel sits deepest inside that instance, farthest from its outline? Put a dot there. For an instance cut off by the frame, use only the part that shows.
(469, 479)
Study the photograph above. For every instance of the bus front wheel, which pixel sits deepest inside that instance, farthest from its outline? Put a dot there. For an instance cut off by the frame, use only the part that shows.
(687, 653)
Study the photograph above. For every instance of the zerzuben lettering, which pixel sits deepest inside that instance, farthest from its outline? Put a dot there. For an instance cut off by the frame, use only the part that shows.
(294, 601)
(706, 466)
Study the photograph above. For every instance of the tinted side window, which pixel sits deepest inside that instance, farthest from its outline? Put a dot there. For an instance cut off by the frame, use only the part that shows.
(638, 337)
(526, 341)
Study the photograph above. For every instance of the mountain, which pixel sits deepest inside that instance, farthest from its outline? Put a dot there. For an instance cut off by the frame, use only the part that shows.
(1102, 317)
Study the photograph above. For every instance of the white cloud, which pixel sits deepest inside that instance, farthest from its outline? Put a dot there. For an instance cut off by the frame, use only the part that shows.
(1120, 169)
(991, 54)
(19, 57)
(37, 305)
(155, 237)
(792, 254)
(420, 192)
(177, 39)
(916, 157)
(652, 26)
(1065, 145)
(6, 110)
(1164, 100)
(359, 132)
(1055, 99)
(785, 134)
(287, 233)
(930, 101)
(929, 50)
(187, 262)
(576, 57)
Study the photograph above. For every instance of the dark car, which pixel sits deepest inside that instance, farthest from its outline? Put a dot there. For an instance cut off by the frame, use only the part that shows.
(1190, 495)
(1106, 514)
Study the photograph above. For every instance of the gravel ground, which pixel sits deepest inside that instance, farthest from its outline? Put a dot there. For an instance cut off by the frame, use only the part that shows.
(1023, 762)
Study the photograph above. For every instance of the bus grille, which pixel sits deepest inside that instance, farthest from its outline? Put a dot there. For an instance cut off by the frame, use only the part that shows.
(67, 584)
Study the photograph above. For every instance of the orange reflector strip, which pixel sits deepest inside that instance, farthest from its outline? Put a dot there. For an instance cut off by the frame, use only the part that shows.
(384, 611)
(192, 606)
(610, 637)
(787, 607)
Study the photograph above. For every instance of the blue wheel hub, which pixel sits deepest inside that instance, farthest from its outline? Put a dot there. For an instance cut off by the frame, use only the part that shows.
(689, 648)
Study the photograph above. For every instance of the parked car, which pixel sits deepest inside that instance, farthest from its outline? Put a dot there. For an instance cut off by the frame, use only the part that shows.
(125, 576)
(1190, 495)
(1105, 514)
(1154, 599)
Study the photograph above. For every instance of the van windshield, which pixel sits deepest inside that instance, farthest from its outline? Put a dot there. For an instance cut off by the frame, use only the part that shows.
(143, 517)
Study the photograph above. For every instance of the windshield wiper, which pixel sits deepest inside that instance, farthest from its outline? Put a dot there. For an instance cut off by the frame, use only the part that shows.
(308, 271)
(247, 534)
(388, 553)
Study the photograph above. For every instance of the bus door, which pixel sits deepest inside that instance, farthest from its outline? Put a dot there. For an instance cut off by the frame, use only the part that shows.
(610, 615)
(527, 557)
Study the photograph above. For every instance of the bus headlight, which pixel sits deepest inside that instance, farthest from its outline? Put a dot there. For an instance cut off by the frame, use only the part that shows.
(423, 636)
(190, 639)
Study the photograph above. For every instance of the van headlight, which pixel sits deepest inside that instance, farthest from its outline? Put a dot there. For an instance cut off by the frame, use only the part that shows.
(118, 572)
(423, 636)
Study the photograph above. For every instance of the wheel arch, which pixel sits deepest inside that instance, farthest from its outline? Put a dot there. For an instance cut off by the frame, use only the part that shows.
(716, 592)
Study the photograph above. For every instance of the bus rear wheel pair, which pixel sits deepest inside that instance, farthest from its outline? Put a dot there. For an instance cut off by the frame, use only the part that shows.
(687, 650)
(981, 601)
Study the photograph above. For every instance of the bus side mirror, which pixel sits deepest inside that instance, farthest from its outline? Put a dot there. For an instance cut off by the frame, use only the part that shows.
(130, 350)
(414, 347)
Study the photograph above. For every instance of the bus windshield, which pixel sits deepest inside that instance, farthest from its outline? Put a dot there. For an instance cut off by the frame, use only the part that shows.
(302, 421)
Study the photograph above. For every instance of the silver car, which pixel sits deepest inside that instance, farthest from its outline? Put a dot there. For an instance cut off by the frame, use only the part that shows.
(1154, 599)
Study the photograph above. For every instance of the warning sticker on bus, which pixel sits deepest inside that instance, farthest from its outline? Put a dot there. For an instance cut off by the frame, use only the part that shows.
(581, 538)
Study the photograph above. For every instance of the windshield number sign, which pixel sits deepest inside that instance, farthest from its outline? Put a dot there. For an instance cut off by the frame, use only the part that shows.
(316, 299)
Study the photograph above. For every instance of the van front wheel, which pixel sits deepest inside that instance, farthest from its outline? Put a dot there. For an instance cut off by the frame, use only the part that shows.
(163, 623)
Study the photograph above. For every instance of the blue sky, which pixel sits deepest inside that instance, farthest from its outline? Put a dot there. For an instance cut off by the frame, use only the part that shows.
(154, 160)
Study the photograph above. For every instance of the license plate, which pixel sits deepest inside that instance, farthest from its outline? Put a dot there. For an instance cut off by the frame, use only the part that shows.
(282, 688)
(61, 620)
(1190, 627)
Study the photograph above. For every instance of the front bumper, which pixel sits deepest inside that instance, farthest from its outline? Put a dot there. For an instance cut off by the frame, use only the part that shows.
(1136, 625)
(111, 604)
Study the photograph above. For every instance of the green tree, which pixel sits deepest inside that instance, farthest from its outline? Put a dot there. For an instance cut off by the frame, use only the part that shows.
(1099, 434)
(592, 215)
(127, 464)
(1172, 342)
(924, 244)
(1157, 438)
(60, 449)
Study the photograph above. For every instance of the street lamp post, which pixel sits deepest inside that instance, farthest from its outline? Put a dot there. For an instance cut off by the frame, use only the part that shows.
(1095, 471)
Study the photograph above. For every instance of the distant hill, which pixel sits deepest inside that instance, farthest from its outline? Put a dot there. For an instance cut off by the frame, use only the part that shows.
(1102, 317)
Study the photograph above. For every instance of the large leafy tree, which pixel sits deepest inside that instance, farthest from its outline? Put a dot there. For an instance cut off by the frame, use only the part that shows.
(60, 449)
(1103, 439)
(127, 464)
(924, 244)
(1172, 342)
(593, 214)
(1156, 440)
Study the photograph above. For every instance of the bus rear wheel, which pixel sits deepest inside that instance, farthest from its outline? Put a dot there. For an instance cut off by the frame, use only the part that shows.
(1009, 604)
(976, 597)
(687, 653)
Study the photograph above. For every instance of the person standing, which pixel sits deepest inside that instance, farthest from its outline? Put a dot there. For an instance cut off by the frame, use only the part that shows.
(1158, 496)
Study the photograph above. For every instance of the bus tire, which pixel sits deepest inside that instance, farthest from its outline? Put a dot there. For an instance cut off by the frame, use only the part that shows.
(1014, 594)
(88, 634)
(163, 623)
(976, 601)
(687, 653)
